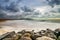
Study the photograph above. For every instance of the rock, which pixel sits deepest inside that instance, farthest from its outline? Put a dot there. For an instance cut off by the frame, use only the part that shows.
(36, 35)
(22, 32)
(26, 36)
(57, 32)
(57, 29)
(42, 32)
(48, 33)
(44, 38)
(30, 35)
(14, 37)
(58, 38)
(19, 35)
(51, 34)
(8, 39)
(7, 35)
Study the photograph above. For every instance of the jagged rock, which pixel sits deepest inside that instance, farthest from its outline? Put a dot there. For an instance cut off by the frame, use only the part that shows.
(57, 32)
(44, 38)
(36, 35)
(19, 35)
(48, 33)
(51, 34)
(26, 36)
(8, 39)
(42, 32)
(22, 32)
(30, 35)
(14, 37)
(7, 35)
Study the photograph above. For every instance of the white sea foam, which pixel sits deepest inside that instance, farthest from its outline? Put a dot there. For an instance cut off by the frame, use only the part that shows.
(18, 25)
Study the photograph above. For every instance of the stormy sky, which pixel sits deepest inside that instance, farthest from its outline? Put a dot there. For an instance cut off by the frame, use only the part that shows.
(16, 9)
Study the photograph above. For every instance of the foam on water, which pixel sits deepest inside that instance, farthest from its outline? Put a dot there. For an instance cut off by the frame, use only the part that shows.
(18, 25)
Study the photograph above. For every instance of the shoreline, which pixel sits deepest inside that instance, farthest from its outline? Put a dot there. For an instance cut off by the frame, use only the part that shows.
(18, 25)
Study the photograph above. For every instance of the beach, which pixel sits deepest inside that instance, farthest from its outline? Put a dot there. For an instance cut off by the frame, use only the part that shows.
(18, 25)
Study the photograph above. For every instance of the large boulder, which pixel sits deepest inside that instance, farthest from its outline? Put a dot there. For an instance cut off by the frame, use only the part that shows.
(7, 39)
(57, 32)
(51, 34)
(48, 33)
(36, 35)
(44, 38)
(14, 37)
(26, 36)
(7, 35)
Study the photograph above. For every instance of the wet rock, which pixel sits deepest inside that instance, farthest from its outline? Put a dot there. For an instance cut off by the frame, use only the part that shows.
(30, 35)
(8, 39)
(36, 35)
(44, 38)
(51, 34)
(14, 37)
(22, 32)
(48, 33)
(58, 38)
(19, 35)
(7, 35)
(57, 32)
(42, 32)
(26, 36)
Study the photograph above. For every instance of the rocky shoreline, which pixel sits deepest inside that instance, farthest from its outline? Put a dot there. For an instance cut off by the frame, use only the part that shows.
(47, 34)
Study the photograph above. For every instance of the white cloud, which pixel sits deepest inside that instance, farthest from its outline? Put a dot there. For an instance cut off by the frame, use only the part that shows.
(48, 9)
(43, 9)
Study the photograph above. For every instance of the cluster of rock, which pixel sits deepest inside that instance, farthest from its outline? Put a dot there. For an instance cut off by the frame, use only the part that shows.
(31, 35)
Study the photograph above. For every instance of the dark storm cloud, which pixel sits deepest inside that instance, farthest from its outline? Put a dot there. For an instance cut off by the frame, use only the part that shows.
(2, 14)
(10, 9)
(9, 5)
(27, 9)
(53, 2)
(15, 9)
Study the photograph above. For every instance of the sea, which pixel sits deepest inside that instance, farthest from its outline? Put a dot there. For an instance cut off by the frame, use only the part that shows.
(29, 25)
